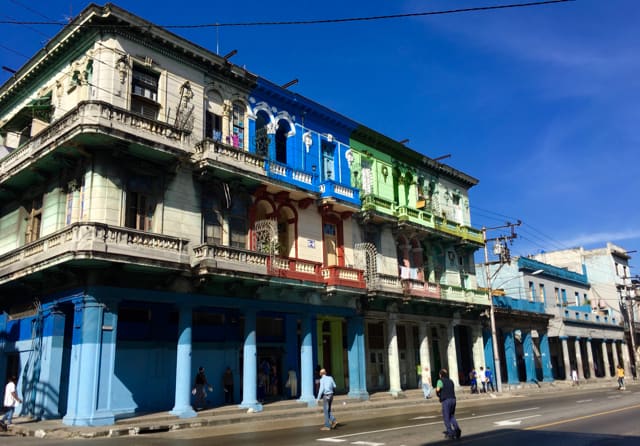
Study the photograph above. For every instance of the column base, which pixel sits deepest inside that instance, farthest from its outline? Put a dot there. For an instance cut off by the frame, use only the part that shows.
(397, 393)
(184, 412)
(361, 395)
(310, 401)
(251, 406)
(101, 418)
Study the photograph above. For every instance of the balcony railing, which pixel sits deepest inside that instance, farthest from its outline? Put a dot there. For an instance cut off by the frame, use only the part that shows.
(296, 269)
(331, 189)
(207, 257)
(376, 203)
(466, 295)
(343, 276)
(96, 115)
(290, 175)
(210, 151)
(94, 241)
(418, 288)
(510, 303)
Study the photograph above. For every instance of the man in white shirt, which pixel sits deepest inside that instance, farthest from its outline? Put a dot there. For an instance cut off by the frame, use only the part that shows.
(11, 400)
(482, 377)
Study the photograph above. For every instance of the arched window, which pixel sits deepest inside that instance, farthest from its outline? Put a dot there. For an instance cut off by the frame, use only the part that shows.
(281, 140)
(262, 134)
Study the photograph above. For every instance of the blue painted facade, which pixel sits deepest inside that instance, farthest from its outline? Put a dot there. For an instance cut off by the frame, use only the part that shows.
(305, 144)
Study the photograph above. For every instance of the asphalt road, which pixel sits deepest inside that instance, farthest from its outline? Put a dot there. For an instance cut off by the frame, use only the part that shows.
(569, 418)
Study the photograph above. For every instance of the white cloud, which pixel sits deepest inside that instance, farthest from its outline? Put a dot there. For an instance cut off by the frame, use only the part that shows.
(602, 237)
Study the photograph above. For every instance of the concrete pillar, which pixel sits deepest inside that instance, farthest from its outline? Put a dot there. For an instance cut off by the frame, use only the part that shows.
(92, 365)
(393, 356)
(579, 364)
(357, 359)
(590, 362)
(529, 357)
(477, 346)
(626, 360)
(250, 364)
(605, 359)
(425, 345)
(306, 362)
(511, 361)
(545, 358)
(182, 407)
(616, 360)
(565, 358)
(47, 399)
(337, 358)
(452, 354)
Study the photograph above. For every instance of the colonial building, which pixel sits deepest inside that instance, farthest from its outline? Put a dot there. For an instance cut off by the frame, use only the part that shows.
(547, 327)
(164, 209)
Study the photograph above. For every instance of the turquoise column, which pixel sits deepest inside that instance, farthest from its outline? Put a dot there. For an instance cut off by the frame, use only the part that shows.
(545, 356)
(182, 407)
(488, 350)
(47, 401)
(250, 368)
(306, 362)
(90, 367)
(529, 359)
(357, 359)
(511, 363)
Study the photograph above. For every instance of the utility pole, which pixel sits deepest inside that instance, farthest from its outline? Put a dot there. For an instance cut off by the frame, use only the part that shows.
(502, 250)
(629, 303)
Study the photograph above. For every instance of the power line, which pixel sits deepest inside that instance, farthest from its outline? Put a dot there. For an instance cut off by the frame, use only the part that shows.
(310, 21)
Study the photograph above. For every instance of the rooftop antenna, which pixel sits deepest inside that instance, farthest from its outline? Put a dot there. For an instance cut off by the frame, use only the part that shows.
(404, 141)
(230, 54)
(289, 84)
(217, 39)
(448, 155)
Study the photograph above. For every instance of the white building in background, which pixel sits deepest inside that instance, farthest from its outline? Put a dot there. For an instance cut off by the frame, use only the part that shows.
(610, 278)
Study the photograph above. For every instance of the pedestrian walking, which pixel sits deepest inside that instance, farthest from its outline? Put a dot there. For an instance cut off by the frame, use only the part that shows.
(426, 382)
(11, 400)
(482, 379)
(619, 374)
(489, 378)
(200, 389)
(325, 391)
(574, 377)
(446, 392)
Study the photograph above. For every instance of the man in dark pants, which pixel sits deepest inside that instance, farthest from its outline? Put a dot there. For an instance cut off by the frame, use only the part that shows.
(446, 392)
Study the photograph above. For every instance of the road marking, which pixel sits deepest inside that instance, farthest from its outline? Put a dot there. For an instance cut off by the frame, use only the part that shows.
(367, 443)
(331, 440)
(583, 401)
(391, 429)
(584, 417)
(513, 421)
(423, 418)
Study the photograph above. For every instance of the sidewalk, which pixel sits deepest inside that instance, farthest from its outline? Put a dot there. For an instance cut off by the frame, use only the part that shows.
(283, 410)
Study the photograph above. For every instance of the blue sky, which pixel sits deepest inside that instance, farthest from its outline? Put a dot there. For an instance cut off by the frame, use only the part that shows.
(541, 104)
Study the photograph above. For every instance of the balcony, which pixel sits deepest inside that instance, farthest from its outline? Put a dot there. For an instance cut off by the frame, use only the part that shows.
(464, 295)
(419, 289)
(209, 258)
(375, 203)
(340, 276)
(332, 190)
(92, 120)
(509, 303)
(95, 242)
(210, 153)
(296, 269)
(289, 175)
